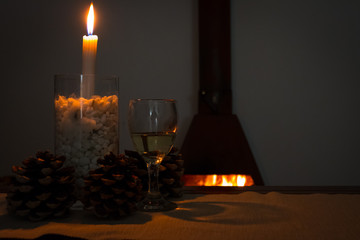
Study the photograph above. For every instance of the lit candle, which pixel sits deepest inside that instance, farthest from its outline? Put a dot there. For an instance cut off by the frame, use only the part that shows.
(89, 45)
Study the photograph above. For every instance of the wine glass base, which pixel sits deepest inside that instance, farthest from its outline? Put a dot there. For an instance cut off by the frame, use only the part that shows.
(155, 205)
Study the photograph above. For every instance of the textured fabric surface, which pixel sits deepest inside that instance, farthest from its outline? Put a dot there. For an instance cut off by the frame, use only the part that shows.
(247, 215)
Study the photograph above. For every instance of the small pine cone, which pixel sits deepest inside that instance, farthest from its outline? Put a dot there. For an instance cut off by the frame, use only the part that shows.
(170, 173)
(113, 189)
(41, 188)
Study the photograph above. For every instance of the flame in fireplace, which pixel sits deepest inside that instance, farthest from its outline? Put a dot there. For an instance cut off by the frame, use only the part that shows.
(231, 180)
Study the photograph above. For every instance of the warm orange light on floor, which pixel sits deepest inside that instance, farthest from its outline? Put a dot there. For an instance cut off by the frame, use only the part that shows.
(230, 180)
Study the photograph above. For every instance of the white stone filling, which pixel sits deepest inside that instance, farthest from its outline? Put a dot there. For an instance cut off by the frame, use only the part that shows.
(86, 129)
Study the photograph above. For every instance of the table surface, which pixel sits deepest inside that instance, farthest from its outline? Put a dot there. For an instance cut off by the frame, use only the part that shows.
(245, 215)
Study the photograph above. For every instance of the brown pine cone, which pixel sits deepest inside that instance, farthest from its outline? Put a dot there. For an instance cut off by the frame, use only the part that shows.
(41, 188)
(170, 173)
(113, 189)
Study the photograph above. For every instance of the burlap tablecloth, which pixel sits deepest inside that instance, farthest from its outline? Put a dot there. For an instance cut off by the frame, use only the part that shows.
(247, 215)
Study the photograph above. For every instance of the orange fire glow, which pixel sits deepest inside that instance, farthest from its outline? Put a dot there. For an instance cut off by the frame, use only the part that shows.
(231, 180)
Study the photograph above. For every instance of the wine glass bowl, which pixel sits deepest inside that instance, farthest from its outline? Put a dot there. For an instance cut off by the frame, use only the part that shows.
(153, 126)
(153, 146)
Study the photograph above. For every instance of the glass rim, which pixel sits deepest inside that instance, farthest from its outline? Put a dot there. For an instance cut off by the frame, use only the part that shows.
(64, 76)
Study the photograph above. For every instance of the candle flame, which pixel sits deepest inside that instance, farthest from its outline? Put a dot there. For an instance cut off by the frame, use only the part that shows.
(90, 20)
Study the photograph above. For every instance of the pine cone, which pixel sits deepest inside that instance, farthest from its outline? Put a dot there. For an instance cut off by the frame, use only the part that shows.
(113, 189)
(170, 173)
(41, 188)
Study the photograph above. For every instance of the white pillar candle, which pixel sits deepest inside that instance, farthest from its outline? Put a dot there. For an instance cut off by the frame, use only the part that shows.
(89, 54)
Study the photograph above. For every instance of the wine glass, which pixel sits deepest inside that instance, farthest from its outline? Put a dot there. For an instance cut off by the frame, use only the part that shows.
(153, 125)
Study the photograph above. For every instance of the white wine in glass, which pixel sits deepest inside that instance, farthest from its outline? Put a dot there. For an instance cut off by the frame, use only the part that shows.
(153, 146)
(153, 125)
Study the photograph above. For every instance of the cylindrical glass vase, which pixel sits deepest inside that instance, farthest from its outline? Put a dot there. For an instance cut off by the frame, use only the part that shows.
(86, 119)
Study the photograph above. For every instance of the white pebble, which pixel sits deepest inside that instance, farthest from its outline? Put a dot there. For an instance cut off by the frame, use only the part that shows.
(84, 138)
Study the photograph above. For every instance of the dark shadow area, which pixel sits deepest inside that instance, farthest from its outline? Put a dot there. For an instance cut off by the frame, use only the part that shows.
(186, 197)
(237, 213)
(47, 237)
(8, 221)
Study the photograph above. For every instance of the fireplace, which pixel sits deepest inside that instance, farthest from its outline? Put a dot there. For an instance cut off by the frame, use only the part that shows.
(215, 143)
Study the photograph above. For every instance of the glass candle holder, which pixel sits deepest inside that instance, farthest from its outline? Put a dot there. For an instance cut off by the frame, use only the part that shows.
(86, 119)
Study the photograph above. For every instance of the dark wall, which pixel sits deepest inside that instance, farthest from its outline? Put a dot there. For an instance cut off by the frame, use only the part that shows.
(296, 79)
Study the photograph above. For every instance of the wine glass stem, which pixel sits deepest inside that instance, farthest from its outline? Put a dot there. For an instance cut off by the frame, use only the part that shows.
(153, 173)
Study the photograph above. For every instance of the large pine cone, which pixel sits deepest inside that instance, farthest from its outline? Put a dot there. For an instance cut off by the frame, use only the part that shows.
(113, 189)
(170, 173)
(41, 188)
